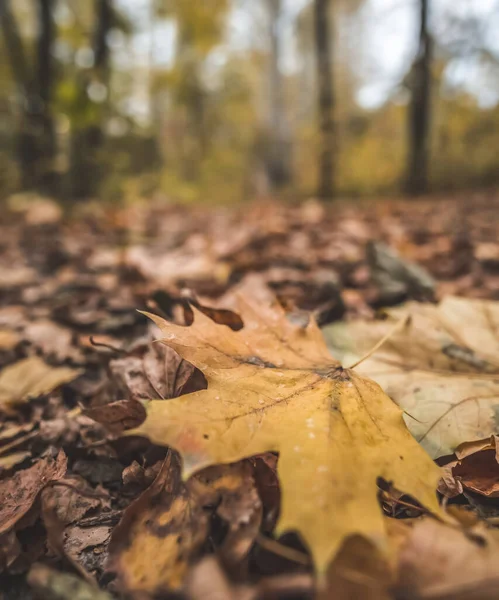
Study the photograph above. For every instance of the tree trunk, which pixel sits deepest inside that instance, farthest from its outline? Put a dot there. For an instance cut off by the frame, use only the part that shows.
(327, 141)
(104, 14)
(87, 168)
(420, 110)
(36, 133)
(279, 151)
(44, 87)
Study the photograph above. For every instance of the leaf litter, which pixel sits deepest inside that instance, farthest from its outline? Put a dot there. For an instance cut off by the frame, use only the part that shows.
(441, 367)
(68, 297)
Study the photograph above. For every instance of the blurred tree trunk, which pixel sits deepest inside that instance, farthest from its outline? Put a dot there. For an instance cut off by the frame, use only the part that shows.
(104, 14)
(279, 151)
(420, 109)
(325, 188)
(45, 75)
(86, 166)
(36, 137)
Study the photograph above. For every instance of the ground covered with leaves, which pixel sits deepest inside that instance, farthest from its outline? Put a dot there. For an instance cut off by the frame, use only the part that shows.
(238, 459)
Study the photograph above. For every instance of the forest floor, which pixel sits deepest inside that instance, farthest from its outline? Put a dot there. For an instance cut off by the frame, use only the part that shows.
(72, 343)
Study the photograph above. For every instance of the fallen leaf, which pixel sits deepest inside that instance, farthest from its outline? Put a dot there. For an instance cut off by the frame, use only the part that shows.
(18, 495)
(273, 386)
(11, 460)
(219, 315)
(152, 371)
(237, 504)
(12, 431)
(52, 340)
(206, 580)
(87, 546)
(73, 498)
(30, 378)
(443, 563)
(118, 416)
(479, 473)
(163, 531)
(475, 471)
(19, 492)
(54, 585)
(358, 572)
(442, 368)
(18, 277)
(267, 483)
(165, 269)
(8, 339)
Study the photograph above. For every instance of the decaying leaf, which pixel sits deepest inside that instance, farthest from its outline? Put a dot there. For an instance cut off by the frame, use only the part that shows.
(476, 469)
(30, 378)
(18, 495)
(153, 371)
(118, 416)
(273, 386)
(442, 367)
(165, 528)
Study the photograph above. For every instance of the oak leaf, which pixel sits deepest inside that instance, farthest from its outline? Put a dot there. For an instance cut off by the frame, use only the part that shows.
(441, 368)
(273, 386)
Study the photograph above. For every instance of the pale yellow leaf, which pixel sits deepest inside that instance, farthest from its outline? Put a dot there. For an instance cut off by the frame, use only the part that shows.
(440, 368)
(30, 378)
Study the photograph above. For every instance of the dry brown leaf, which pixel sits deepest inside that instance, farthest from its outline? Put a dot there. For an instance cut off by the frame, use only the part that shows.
(18, 493)
(440, 368)
(476, 470)
(30, 378)
(118, 416)
(152, 371)
(273, 386)
(164, 529)
(358, 572)
(479, 473)
(233, 489)
(443, 563)
(52, 340)
(73, 498)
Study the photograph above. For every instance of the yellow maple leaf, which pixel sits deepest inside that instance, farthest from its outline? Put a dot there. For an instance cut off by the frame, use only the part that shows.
(273, 386)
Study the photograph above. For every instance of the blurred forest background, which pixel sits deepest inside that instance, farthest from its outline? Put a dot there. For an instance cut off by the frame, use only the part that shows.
(222, 100)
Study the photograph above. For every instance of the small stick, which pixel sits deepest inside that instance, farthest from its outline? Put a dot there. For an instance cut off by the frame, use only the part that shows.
(400, 324)
(18, 442)
(281, 550)
(107, 346)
